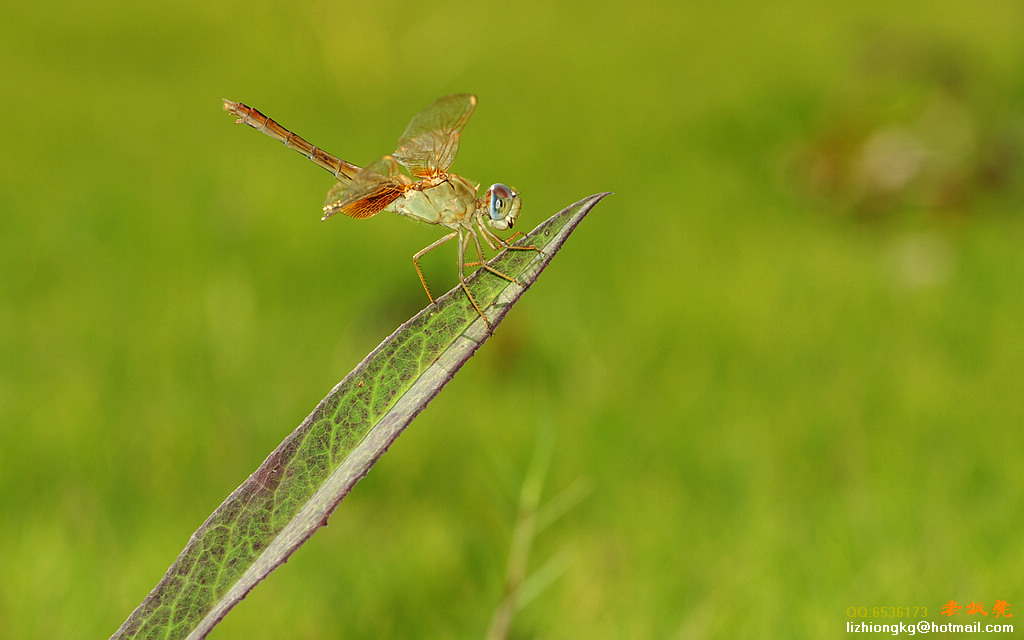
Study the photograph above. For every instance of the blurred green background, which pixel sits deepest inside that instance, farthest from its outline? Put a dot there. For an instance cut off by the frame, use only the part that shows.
(786, 356)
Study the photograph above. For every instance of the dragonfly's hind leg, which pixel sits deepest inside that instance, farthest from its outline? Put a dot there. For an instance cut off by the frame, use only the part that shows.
(424, 251)
(463, 243)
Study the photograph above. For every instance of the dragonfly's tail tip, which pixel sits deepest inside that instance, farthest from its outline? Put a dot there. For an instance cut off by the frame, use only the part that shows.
(233, 109)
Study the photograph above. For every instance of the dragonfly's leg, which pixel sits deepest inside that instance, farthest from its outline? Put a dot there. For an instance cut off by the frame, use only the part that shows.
(424, 251)
(495, 241)
(463, 243)
(513, 237)
(481, 263)
(479, 250)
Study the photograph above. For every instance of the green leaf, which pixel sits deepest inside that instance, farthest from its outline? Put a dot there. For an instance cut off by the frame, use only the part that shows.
(300, 484)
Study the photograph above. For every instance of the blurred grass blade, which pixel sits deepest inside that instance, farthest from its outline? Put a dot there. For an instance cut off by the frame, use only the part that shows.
(522, 535)
(297, 487)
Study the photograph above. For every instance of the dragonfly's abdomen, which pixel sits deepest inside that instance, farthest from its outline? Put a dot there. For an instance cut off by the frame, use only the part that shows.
(254, 118)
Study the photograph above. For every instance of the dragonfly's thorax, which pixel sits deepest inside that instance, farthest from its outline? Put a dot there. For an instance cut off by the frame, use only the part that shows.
(449, 200)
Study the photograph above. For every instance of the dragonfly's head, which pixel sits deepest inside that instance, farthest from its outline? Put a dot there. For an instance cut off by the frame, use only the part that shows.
(502, 206)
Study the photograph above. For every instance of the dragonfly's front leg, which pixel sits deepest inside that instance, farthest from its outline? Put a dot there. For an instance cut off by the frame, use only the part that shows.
(495, 241)
(481, 263)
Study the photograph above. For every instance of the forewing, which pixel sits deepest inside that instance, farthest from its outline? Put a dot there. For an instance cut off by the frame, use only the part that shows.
(369, 192)
(431, 141)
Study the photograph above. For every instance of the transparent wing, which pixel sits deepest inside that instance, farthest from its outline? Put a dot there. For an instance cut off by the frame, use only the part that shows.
(431, 141)
(369, 192)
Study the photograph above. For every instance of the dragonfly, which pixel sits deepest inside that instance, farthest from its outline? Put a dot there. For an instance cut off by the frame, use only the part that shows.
(429, 193)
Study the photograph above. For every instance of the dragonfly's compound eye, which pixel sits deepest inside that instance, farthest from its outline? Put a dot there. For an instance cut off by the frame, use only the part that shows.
(500, 198)
(504, 206)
